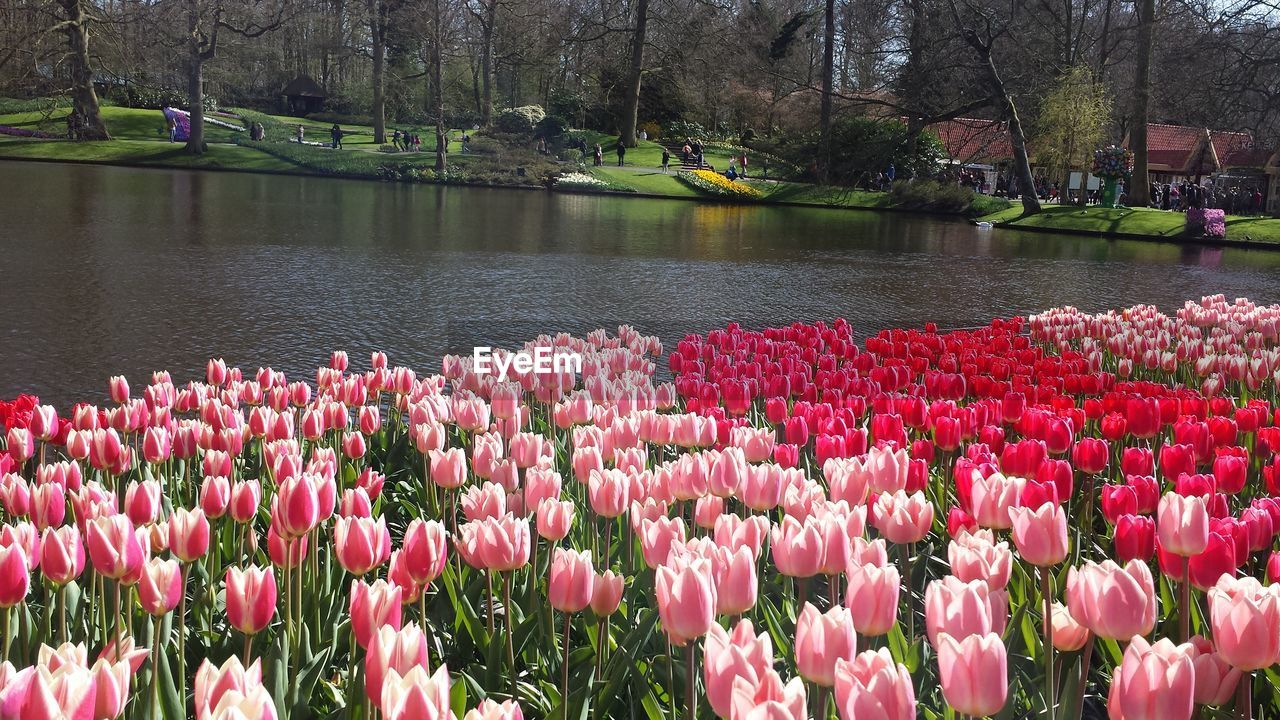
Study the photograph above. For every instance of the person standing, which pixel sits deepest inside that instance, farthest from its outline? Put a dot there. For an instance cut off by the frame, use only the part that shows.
(300, 131)
(622, 152)
(666, 159)
(395, 139)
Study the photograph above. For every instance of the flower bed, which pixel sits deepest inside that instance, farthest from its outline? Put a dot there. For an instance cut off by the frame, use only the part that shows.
(1206, 222)
(811, 525)
(25, 132)
(582, 181)
(716, 184)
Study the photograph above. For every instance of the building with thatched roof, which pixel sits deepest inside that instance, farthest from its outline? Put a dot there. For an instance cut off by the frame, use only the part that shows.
(304, 95)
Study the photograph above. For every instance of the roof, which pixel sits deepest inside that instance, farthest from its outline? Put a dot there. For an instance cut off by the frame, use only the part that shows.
(303, 86)
(969, 140)
(1196, 150)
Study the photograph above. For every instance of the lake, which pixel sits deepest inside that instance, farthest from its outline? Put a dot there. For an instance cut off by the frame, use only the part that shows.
(115, 270)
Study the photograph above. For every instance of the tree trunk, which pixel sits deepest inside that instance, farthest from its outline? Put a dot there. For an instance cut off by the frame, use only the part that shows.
(195, 99)
(437, 89)
(828, 77)
(85, 121)
(377, 33)
(631, 110)
(1139, 185)
(1017, 138)
(486, 64)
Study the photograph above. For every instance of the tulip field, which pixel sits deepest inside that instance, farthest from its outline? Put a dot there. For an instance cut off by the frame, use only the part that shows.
(1063, 515)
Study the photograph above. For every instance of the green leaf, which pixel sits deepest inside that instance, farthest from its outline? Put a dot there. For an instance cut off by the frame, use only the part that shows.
(172, 704)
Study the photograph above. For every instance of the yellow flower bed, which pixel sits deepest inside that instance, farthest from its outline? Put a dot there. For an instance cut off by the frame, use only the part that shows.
(717, 184)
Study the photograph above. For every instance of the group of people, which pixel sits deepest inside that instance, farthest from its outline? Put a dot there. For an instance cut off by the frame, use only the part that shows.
(406, 141)
(257, 132)
(1182, 195)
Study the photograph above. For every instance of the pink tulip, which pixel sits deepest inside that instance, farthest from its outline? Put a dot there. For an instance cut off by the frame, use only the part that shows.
(1068, 634)
(296, 507)
(417, 695)
(657, 537)
(797, 548)
(735, 579)
(729, 657)
(1154, 681)
(686, 600)
(872, 685)
(250, 598)
(122, 649)
(1245, 617)
(606, 593)
(70, 691)
(768, 699)
(160, 587)
(608, 493)
(872, 598)
(188, 534)
(1182, 524)
(903, 519)
(733, 532)
(111, 685)
(1216, 680)
(961, 609)
(48, 506)
(142, 501)
(500, 544)
(484, 501)
(114, 547)
(362, 543)
(541, 485)
(975, 556)
(425, 550)
(821, 640)
(490, 710)
(448, 468)
(973, 673)
(1041, 534)
(246, 496)
(991, 498)
(1113, 602)
(554, 519)
(15, 576)
(219, 689)
(285, 553)
(393, 649)
(61, 554)
(156, 445)
(372, 607)
(15, 494)
(572, 580)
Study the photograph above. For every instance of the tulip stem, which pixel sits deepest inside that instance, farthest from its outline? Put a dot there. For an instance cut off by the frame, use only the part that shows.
(1184, 602)
(155, 668)
(1086, 659)
(62, 612)
(564, 667)
(182, 638)
(8, 636)
(690, 682)
(1050, 679)
(511, 641)
(905, 550)
(248, 644)
(1244, 697)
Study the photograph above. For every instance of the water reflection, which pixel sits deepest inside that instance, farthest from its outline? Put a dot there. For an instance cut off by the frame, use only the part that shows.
(118, 270)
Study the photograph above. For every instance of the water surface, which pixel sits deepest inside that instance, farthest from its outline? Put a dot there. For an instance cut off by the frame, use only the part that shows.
(115, 270)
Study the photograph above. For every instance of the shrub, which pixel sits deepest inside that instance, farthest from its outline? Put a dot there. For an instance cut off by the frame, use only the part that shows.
(13, 106)
(717, 184)
(484, 146)
(551, 127)
(388, 149)
(520, 120)
(932, 195)
(651, 129)
(686, 129)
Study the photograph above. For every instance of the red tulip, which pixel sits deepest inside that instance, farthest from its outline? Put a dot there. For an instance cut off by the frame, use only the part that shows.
(1135, 538)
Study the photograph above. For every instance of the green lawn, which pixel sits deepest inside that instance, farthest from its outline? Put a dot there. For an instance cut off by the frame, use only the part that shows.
(1133, 221)
(122, 123)
(143, 152)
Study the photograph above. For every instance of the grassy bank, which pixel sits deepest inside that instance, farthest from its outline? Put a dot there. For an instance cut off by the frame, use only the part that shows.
(1125, 222)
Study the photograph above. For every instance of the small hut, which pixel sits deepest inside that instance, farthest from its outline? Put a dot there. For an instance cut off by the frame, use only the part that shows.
(304, 95)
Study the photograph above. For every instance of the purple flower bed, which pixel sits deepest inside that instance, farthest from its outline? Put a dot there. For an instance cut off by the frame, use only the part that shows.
(1207, 222)
(24, 132)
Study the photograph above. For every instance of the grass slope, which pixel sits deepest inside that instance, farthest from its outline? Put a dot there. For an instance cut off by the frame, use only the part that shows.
(143, 152)
(122, 123)
(1130, 221)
